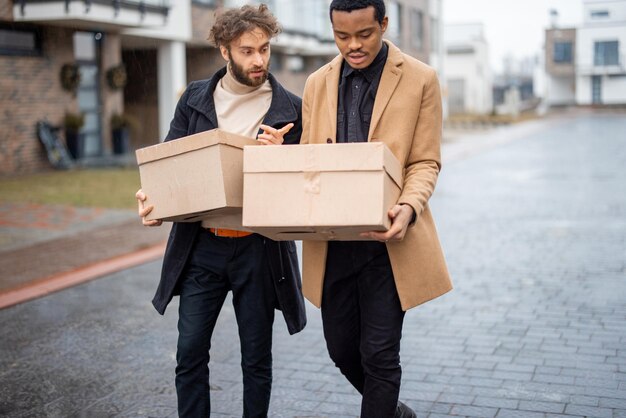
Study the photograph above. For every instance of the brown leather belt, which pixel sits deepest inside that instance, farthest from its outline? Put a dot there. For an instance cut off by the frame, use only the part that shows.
(229, 233)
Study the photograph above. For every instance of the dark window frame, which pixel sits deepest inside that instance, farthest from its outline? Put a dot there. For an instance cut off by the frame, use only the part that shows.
(417, 29)
(205, 3)
(602, 56)
(599, 14)
(562, 52)
(37, 34)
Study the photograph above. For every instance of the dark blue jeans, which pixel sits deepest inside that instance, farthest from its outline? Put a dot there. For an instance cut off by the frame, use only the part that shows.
(218, 265)
(362, 320)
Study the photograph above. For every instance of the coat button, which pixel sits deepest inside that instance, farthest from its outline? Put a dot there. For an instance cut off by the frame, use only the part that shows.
(329, 141)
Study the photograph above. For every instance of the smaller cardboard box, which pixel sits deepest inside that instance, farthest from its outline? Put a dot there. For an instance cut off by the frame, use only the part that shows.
(320, 191)
(196, 177)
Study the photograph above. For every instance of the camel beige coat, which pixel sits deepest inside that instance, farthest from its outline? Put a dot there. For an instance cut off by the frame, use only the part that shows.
(407, 118)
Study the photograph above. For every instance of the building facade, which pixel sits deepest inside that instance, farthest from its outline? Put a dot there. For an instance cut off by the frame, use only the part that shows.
(587, 65)
(160, 46)
(468, 75)
(560, 65)
(601, 53)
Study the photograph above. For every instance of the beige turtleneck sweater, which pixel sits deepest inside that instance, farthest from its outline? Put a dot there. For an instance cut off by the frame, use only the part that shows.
(241, 109)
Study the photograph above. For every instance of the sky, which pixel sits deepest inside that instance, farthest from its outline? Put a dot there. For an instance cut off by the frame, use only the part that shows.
(512, 27)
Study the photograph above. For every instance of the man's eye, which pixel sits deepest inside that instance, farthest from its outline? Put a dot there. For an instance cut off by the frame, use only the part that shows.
(366, 35)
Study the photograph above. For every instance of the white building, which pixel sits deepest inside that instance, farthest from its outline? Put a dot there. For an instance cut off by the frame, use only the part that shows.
(587, 65)
(467, 71)
(601, 53)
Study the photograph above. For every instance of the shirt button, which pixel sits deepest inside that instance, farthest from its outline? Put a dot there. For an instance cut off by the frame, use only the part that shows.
(329, 141)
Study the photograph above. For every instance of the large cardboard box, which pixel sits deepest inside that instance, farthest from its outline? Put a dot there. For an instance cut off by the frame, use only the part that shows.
(196, 177)
(319, 191)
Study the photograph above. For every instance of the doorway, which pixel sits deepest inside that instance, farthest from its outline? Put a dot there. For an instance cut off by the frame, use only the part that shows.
(596, 89)
(87, 55)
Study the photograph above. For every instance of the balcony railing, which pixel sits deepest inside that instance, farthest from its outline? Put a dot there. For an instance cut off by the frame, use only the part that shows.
(618, 68)
(83, 13)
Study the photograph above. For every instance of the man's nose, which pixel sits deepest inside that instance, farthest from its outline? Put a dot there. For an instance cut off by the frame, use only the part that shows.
(355, 44)
(258, 59)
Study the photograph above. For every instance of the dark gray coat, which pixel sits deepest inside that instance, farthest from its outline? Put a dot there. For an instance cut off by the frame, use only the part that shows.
(195, 113)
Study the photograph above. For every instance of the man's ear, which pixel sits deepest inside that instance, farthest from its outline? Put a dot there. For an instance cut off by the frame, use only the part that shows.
(384, 23)
(224, 52)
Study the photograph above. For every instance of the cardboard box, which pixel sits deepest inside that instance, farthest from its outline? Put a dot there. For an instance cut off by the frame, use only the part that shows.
(196, 177)
(320, 191)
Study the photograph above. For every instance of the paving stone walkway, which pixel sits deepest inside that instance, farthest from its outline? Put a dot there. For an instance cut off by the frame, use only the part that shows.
(534, 230)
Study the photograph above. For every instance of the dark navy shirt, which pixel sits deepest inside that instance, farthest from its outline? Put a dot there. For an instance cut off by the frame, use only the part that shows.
(357, 93)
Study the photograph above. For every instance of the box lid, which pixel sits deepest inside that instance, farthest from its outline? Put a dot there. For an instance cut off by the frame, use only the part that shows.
(191, 143)
(360, 156)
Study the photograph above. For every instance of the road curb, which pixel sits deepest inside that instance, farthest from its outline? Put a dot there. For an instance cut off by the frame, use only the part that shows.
(60, 281)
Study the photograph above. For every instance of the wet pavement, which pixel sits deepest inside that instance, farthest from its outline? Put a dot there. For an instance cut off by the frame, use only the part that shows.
(533, 223)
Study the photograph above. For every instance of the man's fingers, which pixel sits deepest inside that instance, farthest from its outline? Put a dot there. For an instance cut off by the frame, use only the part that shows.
(286, 128)
(282, 131)
(268, 139)
(154, 222)
(145, 211)
(268, 129)
(393, 212)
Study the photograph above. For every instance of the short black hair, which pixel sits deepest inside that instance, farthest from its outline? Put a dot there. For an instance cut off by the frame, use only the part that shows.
(350, 5)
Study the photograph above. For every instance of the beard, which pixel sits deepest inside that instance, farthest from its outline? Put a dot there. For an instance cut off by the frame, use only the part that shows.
(241, 75)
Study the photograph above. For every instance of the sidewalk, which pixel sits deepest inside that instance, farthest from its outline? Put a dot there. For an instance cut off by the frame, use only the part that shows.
(44, 248)
(534, 235)
(49, 248)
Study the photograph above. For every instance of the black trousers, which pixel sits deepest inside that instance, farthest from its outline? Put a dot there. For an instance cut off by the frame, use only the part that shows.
(216, 266)
(362, 320)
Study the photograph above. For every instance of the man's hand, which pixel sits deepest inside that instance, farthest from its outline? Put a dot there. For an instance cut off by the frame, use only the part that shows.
(272, 136)
(401, 216)
(143, 211)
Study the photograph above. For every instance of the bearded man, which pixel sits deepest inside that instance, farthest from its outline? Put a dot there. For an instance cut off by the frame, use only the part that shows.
(202, 264)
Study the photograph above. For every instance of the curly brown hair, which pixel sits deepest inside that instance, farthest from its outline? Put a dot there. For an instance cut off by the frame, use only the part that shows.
(231, 24)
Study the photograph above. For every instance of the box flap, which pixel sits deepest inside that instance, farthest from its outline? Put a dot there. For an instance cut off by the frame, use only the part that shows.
(361, 156)
(191, 143)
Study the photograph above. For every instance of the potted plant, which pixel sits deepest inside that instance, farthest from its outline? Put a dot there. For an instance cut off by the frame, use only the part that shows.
(121, 127)
(73, 122)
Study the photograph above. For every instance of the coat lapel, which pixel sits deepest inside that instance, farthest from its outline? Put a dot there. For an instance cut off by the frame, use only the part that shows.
(389, 80)
(332, 92)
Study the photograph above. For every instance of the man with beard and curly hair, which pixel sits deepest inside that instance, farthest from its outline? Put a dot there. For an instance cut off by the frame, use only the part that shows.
(202, 264)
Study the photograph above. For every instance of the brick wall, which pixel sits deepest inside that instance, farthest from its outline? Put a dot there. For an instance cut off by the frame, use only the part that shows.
(30, 90)
(6, 9)
(202, 63)
(202, 19)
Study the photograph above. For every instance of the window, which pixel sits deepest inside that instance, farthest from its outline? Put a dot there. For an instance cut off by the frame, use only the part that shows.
(394, 29)
(606, 53)
(210, 3)
(295, 63)
(562, 52)
(19, 41)
(599, 14)
(276, 62)
(417, 28)
(434, 35)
